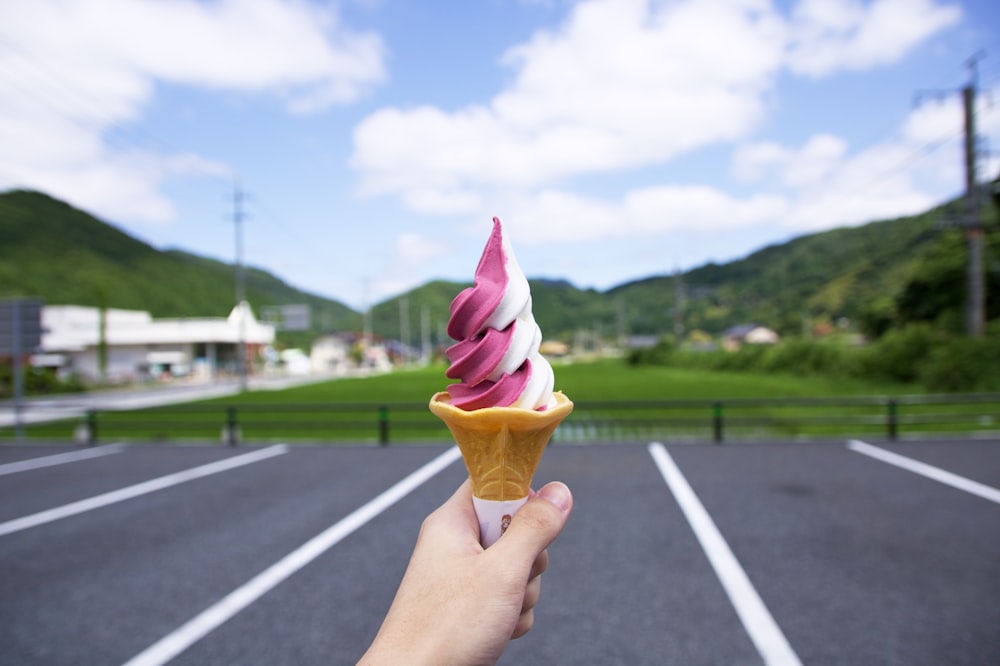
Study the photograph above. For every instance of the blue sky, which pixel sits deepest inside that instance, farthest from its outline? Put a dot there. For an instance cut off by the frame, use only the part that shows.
(375, 139)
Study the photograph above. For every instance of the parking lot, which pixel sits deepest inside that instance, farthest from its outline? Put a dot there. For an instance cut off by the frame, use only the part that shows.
(840, 552)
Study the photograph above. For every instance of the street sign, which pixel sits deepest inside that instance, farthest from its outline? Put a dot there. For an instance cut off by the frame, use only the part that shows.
(20, 326)
(287, 317)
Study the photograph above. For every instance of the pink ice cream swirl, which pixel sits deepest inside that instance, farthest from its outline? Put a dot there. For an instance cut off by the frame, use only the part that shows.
(496, 356)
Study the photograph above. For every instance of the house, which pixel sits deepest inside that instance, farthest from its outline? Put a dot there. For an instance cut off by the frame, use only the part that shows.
(553, 348)
(750, 334)
(331, 353)
(139, 347)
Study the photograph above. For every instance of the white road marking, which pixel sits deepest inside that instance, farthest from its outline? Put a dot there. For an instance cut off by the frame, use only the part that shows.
(936, 473)
(129, 492)
(764, 631)
(58, 459)
(212, 617)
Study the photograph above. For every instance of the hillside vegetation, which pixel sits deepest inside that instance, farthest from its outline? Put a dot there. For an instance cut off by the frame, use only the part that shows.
(872, 278)
(65, 256)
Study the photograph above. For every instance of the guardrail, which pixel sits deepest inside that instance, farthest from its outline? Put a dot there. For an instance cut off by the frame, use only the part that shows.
(783, 418)
(697, 420)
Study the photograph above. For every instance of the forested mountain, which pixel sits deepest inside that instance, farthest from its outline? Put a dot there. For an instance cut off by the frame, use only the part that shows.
(51, 250)
(870, 277)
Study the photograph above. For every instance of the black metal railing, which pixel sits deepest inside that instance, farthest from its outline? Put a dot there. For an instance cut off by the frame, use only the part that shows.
(719, 421)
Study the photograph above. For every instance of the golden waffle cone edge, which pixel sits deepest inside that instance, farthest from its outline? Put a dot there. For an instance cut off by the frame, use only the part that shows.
(501, 446)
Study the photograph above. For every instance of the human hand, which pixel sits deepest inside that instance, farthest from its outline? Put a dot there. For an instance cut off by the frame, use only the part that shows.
(460, 604)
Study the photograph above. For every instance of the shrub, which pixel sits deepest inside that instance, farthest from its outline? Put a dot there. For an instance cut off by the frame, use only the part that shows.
(37, 381)
(963, 364)
(808, 357)
(899, 354)
(660, 354)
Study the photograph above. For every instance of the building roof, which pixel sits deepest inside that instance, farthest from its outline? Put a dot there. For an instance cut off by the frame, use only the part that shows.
(75, 327)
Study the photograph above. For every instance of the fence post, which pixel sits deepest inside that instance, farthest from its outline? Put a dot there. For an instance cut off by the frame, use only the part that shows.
(717, 423)
(892, 419)
(383, 425)
(231, 434)
(86, 432)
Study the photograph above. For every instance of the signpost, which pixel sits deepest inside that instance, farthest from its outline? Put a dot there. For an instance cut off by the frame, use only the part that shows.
(20, 335)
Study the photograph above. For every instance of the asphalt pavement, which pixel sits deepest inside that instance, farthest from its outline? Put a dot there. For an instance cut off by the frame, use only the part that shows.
(817, 553)
(42, 409)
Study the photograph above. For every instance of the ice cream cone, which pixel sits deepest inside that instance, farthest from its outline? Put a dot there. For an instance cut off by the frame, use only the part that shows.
(501, 447)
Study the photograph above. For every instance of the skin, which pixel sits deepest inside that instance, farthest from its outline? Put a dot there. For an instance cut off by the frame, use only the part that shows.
(459, 604)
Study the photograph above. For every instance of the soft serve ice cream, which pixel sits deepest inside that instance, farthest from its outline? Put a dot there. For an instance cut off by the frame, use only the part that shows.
(503, 410)
(497, 357)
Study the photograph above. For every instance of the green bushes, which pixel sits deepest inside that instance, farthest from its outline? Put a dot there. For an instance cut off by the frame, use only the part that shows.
(37, 381)
(963, 364)
(914, 354)
(806, 357)
(900, 353)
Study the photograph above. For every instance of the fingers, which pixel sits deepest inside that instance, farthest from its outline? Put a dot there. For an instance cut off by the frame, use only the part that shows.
(456, 516)
(532, 592)
(540, 565)
(536, 525)
(524, 624)
(526, 620)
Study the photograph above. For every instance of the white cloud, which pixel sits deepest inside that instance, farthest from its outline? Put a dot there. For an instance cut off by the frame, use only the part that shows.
(442, 201)
(828, 184)
(820, 184)
(934, 120)
(625, 84)
(872, 184)
(810, 165)
(79, 73)
(831, 35)
(554, 216)
(413, 249)
(621, 84)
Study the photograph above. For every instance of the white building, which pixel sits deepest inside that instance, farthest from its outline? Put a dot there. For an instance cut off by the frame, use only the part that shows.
(331, 353)
(140, 347)
(751, 334)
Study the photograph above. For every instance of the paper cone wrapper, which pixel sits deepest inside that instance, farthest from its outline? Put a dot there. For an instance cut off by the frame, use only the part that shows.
(501, 447)
(494, 517)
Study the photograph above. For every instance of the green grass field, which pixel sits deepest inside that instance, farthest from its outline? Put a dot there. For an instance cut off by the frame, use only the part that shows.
(614, 402)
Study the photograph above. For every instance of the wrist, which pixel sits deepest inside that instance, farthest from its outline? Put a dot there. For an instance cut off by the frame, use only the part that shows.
(388, 650)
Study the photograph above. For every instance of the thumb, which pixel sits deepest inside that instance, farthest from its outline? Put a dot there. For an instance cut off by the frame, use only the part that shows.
(537, 523)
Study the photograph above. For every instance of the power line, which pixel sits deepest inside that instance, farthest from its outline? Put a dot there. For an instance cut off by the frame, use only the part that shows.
(69, 95)
(971, 220)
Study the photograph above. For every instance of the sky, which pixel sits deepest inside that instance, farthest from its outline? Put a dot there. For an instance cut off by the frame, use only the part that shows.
(372, 141)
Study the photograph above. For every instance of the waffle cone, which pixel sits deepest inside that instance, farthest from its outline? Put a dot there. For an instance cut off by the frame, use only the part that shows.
(501, 446)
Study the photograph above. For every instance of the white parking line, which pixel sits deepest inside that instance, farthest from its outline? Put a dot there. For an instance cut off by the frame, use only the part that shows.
(138, 489)
(764, 631)
(58, 459)
(948, 478)
(212, 617)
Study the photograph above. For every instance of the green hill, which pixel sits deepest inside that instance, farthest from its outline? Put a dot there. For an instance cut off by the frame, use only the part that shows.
(876, 276)
(839, 274)
(872, 277)
(65, 256)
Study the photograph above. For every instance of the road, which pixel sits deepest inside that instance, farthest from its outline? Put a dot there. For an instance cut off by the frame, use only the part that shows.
(835, 556)
(53, 408)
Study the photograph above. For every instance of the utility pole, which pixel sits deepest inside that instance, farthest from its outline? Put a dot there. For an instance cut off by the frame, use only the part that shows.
(971, 220)
(241, 346)
(366, 332)
(425, 335)
(678, 307)
(623, 327)
(976, 294)
(404, 327)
